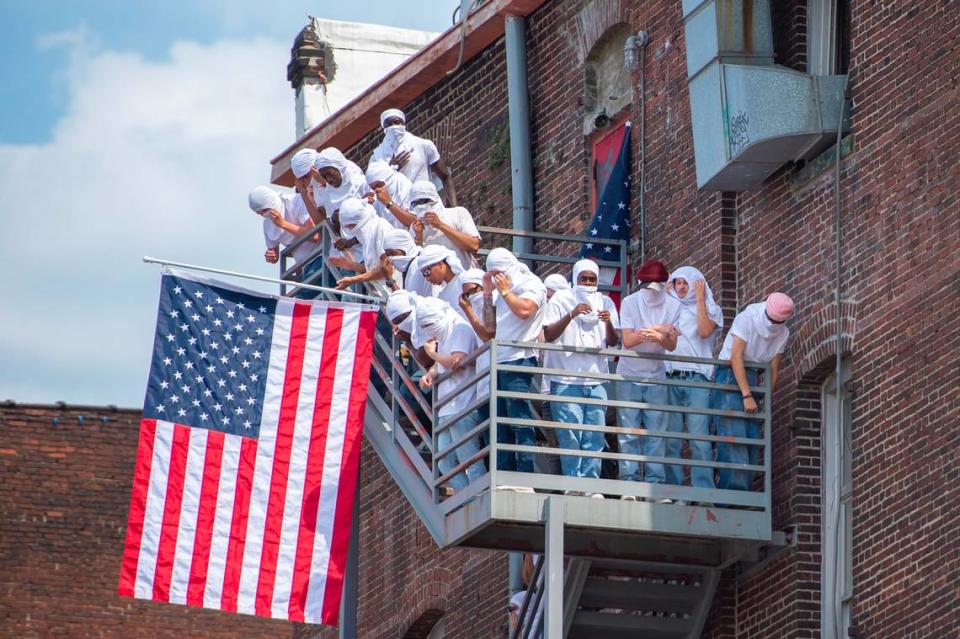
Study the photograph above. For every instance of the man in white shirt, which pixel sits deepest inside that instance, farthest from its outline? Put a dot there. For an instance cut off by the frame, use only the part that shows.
(401, 264)
(580, 317)
(285, 218)
(700, 321)
(516, 314)
(648, 320)
(758, 334)
(449, 340)
(416, 158)
(434, 223)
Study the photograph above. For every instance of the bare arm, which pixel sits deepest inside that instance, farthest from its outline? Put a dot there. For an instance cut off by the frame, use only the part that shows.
(460, 239)
(552, 332)
(740, 373)
(705, 325)
(406, 217)
(475, 322)
(775, 370)
(613, 337)
(633, 337)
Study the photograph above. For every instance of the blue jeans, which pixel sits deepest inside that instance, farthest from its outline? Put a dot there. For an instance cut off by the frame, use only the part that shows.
(650, 420)
(520, 409)
(697, 424)
(573, 413)
(464, 452)
(735, 427)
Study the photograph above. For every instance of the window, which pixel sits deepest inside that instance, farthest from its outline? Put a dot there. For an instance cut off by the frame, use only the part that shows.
(836, 538)
(828, 37)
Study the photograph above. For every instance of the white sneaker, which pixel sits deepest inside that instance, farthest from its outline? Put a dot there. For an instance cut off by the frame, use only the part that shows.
(628, 498)
(596, 496)
(680, 502)
(516, 489)
(573, 493)
(664, 501)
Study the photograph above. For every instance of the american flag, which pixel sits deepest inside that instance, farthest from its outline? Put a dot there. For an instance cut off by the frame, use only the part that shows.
(611, 220)
(247, 464)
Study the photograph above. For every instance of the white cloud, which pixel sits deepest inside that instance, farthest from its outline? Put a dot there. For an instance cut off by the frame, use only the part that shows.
(149, 159)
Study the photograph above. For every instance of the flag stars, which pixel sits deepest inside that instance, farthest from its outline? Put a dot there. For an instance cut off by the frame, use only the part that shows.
(203, 417)
(185, 388)
(254, 377)
(225, 420)
(260, 331)
(245, 364)
(189, 365)
(196, 403)
(217, 323)
(251, 318)
(164, 384)
(228, 337)
(242, 387)
(256, 354)
(232, 373)
(208, 308)
(198, 295)
(207, 392)
(219, 300)
(614, 227)
(251, 401)
(263, 309)
(195, 317)
(218, 406)
(211, 368)
(205, 331)
(224, 359)
(214, 345)
(229, 397)
(621, 205)
(230, 314)
(174, 313)
(177, 290)
(174, 398)
(221, 383)
(177, 375)
(241, 306)
(160, 408)
(248, 341)
(238, 410)
(167, 361)
(181, 412)
(181, 351)
(593, 231)
(247, 424)
(192, 341)
(171, 337)
(187, 303)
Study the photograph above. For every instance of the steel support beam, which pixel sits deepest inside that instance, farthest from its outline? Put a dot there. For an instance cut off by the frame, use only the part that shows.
(553, 558)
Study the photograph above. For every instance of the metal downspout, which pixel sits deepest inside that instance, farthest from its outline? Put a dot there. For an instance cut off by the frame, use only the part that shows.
(519, 110)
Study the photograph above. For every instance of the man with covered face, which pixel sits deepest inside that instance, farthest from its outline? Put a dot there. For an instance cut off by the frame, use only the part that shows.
(648, 319)
(449, 226)
(416, 158)
(580, 317)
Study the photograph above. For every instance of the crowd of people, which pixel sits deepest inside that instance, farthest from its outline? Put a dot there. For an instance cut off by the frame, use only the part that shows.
(397, 222)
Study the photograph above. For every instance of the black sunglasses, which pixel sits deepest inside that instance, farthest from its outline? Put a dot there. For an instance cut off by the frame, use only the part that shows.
(773, 320)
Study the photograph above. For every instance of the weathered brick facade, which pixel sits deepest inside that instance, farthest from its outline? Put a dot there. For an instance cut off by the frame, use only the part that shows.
(65, 480)
(65, 488)
(901, 284)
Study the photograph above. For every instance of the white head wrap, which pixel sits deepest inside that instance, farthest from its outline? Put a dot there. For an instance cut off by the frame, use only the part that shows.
(691, 275)
(263, 197)
(472, 276)
(400, 302)
(302, 161)
(587, 294)
(556, 282)
(500, 260)
(434, 319)
(356, 212)
(400, 239)
(424, 190)
(434, 253)
(397, 184)
(353, 183)
(391, 113)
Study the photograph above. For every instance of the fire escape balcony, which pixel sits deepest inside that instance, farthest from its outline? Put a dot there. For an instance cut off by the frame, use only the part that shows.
(638, 531)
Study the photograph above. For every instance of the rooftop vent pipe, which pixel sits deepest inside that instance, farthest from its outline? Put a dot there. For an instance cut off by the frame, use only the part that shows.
(750, 116)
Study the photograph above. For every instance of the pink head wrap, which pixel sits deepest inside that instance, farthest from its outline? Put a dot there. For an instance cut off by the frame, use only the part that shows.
(779, 307)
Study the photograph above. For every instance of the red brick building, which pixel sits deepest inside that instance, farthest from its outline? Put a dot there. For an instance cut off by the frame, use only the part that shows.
(65, 486)
(900, 285)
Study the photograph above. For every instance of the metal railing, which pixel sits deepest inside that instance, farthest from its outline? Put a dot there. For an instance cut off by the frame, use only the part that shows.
(611, 487)
(564, 256)
(416, 426)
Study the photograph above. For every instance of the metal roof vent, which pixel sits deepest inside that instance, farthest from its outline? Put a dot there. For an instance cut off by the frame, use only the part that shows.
(750, 116)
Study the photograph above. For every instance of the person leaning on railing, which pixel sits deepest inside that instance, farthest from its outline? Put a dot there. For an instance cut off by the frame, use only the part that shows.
(399, 309)
(514, 314)
(449, 339)
(284, 218)
(579, 318)
(648, 319)
(400, 264)
(359, 221)
(758, 334)
(700, 321)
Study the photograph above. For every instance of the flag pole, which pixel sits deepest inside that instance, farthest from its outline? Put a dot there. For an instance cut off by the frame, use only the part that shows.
(273, 280)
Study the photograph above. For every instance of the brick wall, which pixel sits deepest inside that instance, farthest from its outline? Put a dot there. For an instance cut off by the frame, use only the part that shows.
(901, 277)
(64, 494)
(407, 584)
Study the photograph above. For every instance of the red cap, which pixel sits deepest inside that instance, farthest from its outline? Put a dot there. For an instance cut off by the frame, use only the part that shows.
(652, 271)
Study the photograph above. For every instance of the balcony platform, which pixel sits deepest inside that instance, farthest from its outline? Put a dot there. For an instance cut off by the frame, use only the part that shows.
(630, 530)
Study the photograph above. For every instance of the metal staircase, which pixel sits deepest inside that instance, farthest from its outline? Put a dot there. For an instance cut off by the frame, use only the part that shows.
(628, 565)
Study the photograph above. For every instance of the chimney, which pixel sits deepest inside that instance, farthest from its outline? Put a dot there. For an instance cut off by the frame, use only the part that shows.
(311, 68)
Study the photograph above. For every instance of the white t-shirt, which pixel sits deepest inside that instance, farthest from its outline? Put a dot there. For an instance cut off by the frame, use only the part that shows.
(423, 154)
(764, 340)
(635, 314)
(510, 327)
(461, 339)
(690, 344)
(460, 219)
(295, 212)
(577, 333)
(450, 293)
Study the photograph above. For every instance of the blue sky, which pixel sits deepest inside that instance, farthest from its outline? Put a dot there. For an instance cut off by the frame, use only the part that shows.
(31, 56)
(129, 129)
